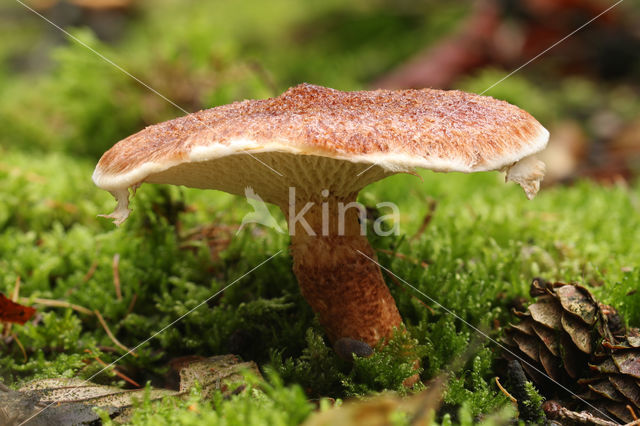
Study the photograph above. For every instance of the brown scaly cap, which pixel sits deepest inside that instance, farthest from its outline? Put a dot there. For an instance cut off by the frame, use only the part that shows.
(330, 138)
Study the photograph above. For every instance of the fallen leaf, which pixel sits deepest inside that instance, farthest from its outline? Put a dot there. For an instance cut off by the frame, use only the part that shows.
(72, 400)
(14, 312)
(378, 411)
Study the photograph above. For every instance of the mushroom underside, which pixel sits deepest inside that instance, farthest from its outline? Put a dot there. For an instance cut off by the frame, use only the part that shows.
(271, 174)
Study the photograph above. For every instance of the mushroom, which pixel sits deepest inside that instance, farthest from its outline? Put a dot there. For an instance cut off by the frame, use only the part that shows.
(310, 151)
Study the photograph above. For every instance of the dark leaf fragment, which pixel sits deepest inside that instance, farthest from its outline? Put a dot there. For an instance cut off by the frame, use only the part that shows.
(550, 363)
(572, 358)
(547, 313)
(578, 331)
(11, 311)
(548, 337)
(606, 389)
(539, 287)
(579, 302)
(606, 367)
(633, 337)
(347, 348)
(628, 362)
(620, 411)
(627, 387)
(525, 326)
(527, 344)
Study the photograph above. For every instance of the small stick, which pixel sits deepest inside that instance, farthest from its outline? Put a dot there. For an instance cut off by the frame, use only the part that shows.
(132, 304)
(16, 290)
(633, 413)
(90, 272)
(504, 391)
(404, 257)
(86, 278)
(57, 304)
(586, 418)
(403, 288)
(106, 349)
(118, 373)
(427, 219)
(110, 334)
(24, 353)
(116, 276)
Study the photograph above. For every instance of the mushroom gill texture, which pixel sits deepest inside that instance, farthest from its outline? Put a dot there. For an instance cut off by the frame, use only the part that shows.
(327, 145)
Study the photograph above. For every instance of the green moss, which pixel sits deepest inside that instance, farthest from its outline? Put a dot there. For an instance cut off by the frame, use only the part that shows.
(585, 232)
(534, 402)
(263, 403)
(321, 373)
(57, 347)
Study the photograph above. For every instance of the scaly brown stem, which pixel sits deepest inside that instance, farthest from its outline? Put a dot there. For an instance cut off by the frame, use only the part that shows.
(344, 288)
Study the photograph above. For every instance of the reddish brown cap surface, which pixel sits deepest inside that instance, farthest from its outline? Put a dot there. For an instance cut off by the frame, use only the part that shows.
(314, 137)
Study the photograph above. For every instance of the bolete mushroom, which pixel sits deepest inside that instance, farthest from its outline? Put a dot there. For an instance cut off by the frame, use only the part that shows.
(310, 151)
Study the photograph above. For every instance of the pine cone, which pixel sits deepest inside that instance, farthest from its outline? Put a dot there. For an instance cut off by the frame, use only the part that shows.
(581, 344)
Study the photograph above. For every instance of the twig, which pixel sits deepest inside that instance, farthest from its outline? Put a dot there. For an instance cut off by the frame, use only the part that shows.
(426, 221)
(110, 334)
(85, 279)
(504, 391)
(132, 304)
(633, 413)
(118, 373)
(404, 257)
(57, 304)
(90, 272)
(16, 290)
(110, 349)
(585, 418)
(116, 276)
(403, 288)
(24, 353)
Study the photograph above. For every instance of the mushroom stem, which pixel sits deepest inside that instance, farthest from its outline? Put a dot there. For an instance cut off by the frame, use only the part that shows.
(344, 288)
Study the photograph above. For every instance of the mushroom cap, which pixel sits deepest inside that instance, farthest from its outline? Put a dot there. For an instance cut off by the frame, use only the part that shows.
(314, 138)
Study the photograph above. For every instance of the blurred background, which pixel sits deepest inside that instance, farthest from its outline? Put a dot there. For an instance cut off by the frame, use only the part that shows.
(56, 95)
